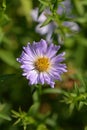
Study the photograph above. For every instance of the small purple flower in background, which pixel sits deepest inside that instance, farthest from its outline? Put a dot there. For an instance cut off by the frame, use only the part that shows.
(47, 29)
(41, 64)
(50, 28)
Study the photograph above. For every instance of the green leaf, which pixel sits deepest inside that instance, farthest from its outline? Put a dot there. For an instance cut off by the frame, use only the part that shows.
(36, 96)
(54, 90)
(4, 116)
(25, 9)
(71, 108)
(81, 104)
(76, 88)
(79, 7)
(4, 111)
(17, 121)
(4, 20)
(85, 128)
(4, 4)
(82, 20)
(1, 35)
(6, 77)
(42, 127)
(8, 57)
(15, 114)
(34, 108)
(46, 3)
(84, 2)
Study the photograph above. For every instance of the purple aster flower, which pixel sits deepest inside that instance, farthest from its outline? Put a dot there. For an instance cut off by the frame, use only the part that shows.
(41, 64)
(51, 27)
(45, 30)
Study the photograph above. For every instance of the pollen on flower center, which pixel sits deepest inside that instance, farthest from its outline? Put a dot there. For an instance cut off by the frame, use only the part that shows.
(42, 64)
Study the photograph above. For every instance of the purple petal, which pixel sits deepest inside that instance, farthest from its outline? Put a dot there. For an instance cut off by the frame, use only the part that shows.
(32, 76)
(48, 80)
(58, 58)
(41, 47)
(41, 78)
(52, 50)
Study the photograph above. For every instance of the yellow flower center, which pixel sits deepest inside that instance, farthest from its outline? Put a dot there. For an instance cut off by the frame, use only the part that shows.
(42, 64)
